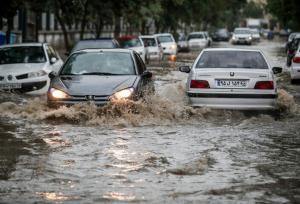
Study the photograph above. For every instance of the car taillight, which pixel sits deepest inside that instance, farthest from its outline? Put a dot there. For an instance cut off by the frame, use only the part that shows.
(296, 59)
(199, 84)
(264, 85)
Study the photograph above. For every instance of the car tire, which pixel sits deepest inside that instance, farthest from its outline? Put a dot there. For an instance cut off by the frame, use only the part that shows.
(294, 81)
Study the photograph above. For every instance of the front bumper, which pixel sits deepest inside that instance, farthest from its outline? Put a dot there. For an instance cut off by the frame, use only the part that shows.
(242, 41)
(233, 101)
(27, 87)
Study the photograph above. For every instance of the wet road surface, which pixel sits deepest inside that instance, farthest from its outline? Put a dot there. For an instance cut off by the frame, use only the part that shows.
(158, 151)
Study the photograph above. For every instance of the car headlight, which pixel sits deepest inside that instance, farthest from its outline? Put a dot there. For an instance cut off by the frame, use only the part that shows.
(250, 38)
(233, 38)
(173, 47)
(123, 94)
(37, 74)
(58, 94)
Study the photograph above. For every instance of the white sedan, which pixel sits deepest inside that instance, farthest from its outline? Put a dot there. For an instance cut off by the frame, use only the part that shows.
(232, 79)
(295, 67)
(25, 67)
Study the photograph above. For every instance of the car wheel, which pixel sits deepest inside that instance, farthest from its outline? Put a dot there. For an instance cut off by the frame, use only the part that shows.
(293, 81)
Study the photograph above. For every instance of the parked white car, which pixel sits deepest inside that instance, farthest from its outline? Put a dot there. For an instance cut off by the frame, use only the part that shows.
(153, 48)
(25, 67)
(242, 36)
(295, 67)
(197, 40)
(225, 78)
(255, 35)
(134, 43)
(168, 43)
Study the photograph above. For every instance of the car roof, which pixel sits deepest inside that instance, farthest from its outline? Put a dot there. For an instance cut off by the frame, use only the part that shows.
(242, 28)
(22, 44)
(96, 39)
(198, 32)
(147, 36)
(162, 34)
(232, 49)
(105, 50)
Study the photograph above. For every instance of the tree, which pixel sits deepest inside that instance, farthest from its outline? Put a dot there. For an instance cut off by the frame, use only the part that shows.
(253, 10)
(9, 11)
(287, 12)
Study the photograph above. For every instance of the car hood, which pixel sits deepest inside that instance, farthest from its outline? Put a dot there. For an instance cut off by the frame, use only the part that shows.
(21, 68)
(94, 85)
(167, 44)
(138, 49)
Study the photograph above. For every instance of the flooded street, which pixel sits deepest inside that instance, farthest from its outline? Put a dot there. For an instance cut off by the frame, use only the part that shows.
(155, 151)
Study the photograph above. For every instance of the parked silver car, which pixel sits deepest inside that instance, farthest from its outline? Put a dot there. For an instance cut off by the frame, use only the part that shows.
(227, 78)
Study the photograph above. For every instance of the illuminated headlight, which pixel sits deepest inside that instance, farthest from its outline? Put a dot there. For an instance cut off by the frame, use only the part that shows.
(37, 74)
(123, 94)
(173, 47)
(250, 38)
(58, 94)
(233, 38)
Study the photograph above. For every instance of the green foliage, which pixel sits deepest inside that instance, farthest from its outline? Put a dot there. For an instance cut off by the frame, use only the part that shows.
(253, 10)
(286, 11)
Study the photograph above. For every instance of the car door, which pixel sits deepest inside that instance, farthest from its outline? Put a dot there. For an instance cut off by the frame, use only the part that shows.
(55, 64)
(141, 68)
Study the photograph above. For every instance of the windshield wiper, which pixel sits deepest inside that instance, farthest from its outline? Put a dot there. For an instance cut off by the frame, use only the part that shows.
(99, 73)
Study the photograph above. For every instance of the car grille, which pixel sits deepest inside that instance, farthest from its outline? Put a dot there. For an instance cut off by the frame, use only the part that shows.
(22, 76)
(89, 98)
(242, 38)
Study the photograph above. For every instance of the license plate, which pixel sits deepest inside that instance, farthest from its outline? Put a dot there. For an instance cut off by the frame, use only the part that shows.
(11, 86)
(231, 83)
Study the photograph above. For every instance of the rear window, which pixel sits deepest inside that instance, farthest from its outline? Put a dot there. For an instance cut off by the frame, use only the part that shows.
(149, 42)
(127, 43)
(97, 44)
(196, 36)
(232, 59)
(165, 38)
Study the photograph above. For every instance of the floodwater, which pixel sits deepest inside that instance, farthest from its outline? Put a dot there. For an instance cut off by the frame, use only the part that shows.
(155, 151)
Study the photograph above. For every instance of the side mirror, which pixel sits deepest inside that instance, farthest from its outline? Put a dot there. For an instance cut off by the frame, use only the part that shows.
(185, 69)
(52, 75)
(277, 70)
(53, 60)
(147, 74)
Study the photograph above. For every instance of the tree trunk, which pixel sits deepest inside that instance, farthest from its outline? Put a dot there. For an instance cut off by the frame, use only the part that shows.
(143, 30)
(117, 30)
(64, 29)
(37, 26)
(99, 27)
(83, 20)
(9, 28)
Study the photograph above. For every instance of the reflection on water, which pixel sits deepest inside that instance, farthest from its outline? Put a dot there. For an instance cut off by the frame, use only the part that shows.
(155, 151)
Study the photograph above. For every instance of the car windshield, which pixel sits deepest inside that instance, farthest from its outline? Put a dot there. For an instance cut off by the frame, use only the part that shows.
(135, 42)
(99, 63)
(196, 36)
(232, 59)
(149, 42)
(165, 38)
(22, 54)
(98, 44)
(242, 31)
